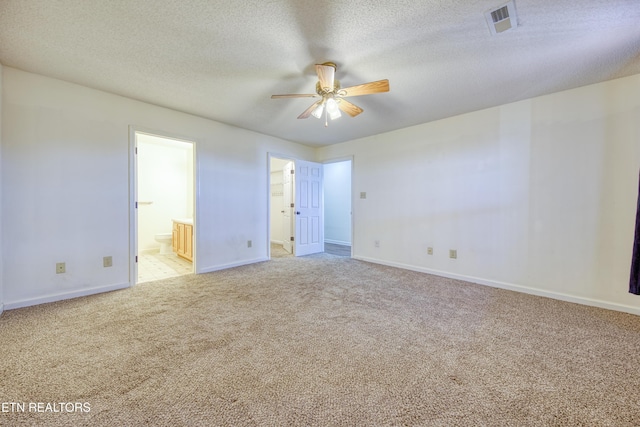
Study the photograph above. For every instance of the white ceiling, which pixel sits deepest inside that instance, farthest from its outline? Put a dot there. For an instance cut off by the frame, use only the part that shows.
(223, 59)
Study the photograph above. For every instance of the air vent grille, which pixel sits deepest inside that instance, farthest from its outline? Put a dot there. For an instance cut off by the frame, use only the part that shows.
(500, 14)
(502, 18)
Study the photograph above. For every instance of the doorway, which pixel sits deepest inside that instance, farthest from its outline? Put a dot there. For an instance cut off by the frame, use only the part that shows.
(296, 213)
(281, 226)
(338, 222)
(163, 232)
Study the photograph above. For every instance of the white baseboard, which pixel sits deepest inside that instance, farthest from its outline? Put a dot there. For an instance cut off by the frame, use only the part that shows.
(230, 265)
(63, 296)
(1, 309)
(277, 242)
(98, 290)
(511, 287)
(337, 242)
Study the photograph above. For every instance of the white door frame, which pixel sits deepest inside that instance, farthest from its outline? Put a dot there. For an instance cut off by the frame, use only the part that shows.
(289, 192)
(133, 194)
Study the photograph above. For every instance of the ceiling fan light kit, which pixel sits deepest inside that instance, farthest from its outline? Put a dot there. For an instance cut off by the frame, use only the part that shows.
(332, 96)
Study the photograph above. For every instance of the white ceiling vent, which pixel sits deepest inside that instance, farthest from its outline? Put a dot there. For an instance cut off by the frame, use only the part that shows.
(502, 18)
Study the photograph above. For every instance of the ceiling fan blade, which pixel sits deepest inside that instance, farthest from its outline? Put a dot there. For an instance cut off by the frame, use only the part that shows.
(295, 95)
(349, 108)
(366, 88)
(326, 74)
(309, 110)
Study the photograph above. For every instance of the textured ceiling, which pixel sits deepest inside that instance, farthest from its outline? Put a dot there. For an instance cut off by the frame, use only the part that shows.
(223, 59)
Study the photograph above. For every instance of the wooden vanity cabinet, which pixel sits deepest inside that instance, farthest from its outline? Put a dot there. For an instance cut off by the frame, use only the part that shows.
(183, 240)
(175, 238)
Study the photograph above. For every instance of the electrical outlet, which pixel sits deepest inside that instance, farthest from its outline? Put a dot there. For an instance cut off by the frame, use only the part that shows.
(249, 243)
(453, 253)
(430, 251)
(60, 267)
(107, 261)
(376, 243)
(363, 194)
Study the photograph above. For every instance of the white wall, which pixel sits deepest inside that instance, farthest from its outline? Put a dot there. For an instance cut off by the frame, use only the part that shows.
(337, 202)
(1, 234)
(165, 187)
(65, 187)
(537, 196)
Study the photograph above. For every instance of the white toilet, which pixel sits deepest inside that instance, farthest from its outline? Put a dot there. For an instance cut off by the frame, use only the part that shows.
(165, 242)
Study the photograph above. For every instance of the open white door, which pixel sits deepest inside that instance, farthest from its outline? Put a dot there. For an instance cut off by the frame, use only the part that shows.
(287, 207)
(309, 222)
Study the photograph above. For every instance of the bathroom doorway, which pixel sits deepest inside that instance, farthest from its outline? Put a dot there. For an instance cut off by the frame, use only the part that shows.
(164, 226)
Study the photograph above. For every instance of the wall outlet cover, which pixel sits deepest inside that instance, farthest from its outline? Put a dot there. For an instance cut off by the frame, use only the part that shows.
(60, 267)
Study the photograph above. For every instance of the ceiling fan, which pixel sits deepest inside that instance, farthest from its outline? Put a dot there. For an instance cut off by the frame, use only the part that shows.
(328, 88)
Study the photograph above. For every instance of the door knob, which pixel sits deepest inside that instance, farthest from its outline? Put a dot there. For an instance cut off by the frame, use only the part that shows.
(297, 213)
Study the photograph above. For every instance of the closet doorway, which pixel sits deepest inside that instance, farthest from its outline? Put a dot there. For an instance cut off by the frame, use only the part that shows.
(296, 213)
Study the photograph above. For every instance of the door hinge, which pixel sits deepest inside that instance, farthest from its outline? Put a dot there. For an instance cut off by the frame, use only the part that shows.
(136, 258)
(293, 171)
(291, 204)
(292, 238)
(136, 205)
(136, 150)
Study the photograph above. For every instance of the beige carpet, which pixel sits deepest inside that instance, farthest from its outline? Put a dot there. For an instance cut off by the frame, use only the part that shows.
(319, 340)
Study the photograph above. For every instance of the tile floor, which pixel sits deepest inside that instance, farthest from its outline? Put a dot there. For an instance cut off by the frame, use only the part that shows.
(155, 266)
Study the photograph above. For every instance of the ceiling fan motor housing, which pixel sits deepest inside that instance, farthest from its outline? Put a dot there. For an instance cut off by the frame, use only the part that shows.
(323, 91)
